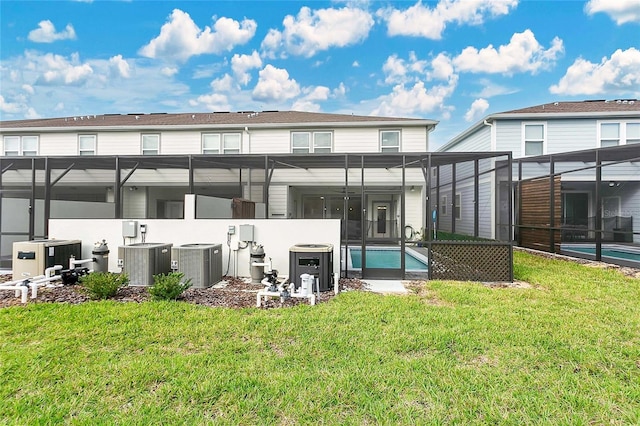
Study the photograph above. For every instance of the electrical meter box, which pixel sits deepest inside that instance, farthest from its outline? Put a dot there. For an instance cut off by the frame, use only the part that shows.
(246, 233)
(130, 229)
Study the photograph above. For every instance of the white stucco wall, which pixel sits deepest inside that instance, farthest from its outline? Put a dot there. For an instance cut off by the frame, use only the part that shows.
(277, 236)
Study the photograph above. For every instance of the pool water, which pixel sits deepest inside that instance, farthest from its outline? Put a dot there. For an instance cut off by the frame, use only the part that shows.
(628, 255)
(385, 259)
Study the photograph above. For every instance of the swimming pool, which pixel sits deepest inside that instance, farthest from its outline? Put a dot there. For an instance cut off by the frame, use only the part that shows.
(387, 258)
(612, 253)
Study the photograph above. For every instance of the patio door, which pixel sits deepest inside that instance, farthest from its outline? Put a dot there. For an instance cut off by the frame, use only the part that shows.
(380, 253)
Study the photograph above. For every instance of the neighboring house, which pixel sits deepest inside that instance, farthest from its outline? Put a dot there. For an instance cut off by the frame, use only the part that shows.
(550, 140)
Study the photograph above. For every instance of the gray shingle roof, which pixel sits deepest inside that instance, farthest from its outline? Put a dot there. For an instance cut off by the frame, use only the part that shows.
(213, 119)
(590, 106)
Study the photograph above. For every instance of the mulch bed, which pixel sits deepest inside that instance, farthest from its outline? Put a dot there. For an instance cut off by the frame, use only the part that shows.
(231, 293)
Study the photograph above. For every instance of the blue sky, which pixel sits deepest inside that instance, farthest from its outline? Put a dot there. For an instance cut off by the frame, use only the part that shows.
(451, 61)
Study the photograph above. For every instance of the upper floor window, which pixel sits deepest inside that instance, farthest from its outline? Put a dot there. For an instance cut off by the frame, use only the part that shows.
(308, 142)
(20, 145)
(458, 207)
(633, 133)
(609, 134)
(150, 144)
(221, 143)
(534, 139)
(87, 144)
(443, 205)
(390, 141)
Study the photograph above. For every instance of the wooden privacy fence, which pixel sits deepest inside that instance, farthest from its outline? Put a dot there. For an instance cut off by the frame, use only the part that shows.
(535, 219)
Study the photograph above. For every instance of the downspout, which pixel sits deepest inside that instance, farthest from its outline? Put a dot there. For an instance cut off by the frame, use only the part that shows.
(246, 130)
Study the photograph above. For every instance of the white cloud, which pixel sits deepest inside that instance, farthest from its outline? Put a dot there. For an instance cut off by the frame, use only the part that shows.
(522, 54)
(31, 114)
(119, 67)
(442, 67)
(621, 11)
(394, 69)
(224, 84)
(180, 38)
(28, 88)
(318, 30)
(309, 102)
(212, 102)
(56, 69)
(240, 64)
(339, 91)
(10, 107)
(619, 74)
(477, 109)
(421, 21)
(415, 100)
(274, 85)
(169, 71)
(355, 64)
(46, 33)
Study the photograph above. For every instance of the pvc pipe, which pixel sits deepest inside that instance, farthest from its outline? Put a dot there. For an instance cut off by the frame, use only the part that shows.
(20, 287)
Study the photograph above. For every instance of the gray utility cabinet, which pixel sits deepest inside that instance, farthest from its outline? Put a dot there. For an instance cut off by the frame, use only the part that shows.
(141, 261)
(201, 263)
(312, 259)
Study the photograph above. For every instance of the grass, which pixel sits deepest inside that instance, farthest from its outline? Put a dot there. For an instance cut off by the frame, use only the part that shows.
(566, 351)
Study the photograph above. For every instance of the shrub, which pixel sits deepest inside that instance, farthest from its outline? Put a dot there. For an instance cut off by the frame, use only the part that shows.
(168, 286)
(103, 285)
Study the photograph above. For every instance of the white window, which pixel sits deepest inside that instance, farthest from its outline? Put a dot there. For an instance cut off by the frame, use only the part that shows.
(221, 143)
(633, 133)
(609, 134)
(390, 141)
(150, 144)
(231, 143)
(211, 143)
(87, 144)
(309, 142)
(534, 139)
(20, 145)
(443, 205)
(458, 207)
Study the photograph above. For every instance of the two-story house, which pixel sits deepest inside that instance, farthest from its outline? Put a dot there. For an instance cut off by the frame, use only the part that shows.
(572, 145)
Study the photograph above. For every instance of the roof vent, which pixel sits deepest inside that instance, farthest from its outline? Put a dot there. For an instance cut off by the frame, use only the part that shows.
(618, 101)
(193, 116)
(137, 117)
(555, 103)
(632, 102)
(75, 118)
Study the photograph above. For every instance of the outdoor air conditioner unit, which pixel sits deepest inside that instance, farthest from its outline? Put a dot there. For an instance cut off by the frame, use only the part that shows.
(202, 263)
(141, 261)
(31, 258)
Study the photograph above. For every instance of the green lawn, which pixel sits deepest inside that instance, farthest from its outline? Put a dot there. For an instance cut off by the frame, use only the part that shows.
(566, 351)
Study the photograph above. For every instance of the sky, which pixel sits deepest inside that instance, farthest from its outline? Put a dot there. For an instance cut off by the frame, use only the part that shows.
(451, 61)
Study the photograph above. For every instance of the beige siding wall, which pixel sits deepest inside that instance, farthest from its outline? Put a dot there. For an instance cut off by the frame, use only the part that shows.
(58, 144)
(119, 143)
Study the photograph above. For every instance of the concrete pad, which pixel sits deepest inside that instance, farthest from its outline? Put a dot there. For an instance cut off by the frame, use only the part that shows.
(385, 286)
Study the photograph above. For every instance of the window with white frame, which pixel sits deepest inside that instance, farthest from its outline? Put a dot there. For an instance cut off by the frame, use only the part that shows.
(310, 142)
(211, 143)
(86, 144)
(150, 144)
(633, 133)
(221, 143)
(390, 141)
(20, 145)
(609, 134)
(534, 139)
(458, 207)
(443, 205)
(231, 143)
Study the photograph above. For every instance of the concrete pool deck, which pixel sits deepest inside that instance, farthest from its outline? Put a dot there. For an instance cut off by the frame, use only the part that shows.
(385, 286)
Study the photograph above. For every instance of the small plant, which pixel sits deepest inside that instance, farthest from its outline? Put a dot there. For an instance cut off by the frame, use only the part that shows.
(168, 286)
(103, 285)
